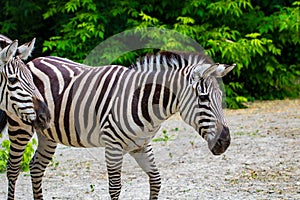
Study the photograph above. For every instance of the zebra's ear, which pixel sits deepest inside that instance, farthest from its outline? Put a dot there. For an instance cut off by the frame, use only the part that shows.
(204, 71)
(4, 41)
(223, 69)
(24, 51)
(8, 52)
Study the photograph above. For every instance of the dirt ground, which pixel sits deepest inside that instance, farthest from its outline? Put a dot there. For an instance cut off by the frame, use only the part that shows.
(263, 162)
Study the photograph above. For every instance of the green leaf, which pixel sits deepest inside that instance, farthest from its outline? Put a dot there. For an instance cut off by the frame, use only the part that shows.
(253, 35)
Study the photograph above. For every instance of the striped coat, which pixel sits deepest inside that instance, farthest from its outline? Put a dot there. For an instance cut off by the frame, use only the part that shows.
(121, 109)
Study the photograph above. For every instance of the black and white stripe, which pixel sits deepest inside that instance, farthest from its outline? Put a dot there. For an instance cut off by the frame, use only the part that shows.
(121, 109)
(19, 97)
(21, 104)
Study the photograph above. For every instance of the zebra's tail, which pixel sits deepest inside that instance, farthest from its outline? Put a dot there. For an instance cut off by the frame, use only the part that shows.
(3, 120)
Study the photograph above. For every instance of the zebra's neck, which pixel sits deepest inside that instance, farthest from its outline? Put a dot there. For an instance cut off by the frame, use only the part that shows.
(3, 94)
(152, 91)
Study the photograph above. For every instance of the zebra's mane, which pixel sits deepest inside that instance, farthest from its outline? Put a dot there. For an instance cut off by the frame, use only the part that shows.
(166, 60)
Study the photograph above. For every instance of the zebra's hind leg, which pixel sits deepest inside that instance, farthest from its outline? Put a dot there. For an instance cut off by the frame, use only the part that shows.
(18, 141)
(114, 160)
(42, 157)
(145, 158)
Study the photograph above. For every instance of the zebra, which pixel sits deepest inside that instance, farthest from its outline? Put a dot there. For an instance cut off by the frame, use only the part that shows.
(121, 109)
(20, 102)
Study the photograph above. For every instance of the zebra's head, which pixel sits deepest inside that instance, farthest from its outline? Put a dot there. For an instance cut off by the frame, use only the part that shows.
(18, 94)
(206, 113)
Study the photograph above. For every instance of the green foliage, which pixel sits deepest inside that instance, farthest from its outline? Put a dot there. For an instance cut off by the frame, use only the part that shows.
(53, 163)
(22, 20)
(164, 138)
(261, 37)
(92, 187)
(80, 24)
(4, 155)
(28, 153)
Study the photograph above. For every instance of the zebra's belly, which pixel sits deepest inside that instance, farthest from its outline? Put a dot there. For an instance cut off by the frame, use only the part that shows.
(75, 136)
(88, 138)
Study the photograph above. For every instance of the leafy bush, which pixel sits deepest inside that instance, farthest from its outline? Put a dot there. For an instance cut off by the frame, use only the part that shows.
(262, 37)
(4, 155)
(28, 153)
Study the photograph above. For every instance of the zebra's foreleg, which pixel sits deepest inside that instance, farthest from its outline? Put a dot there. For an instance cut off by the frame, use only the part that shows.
(114, 160)
(145, 158)
(18, 141)
(42, 157)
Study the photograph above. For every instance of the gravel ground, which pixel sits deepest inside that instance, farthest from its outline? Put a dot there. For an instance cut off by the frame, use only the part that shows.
(263, 162)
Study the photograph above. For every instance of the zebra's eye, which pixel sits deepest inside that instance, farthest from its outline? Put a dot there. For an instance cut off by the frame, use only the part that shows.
(203, 97)
(13, 80)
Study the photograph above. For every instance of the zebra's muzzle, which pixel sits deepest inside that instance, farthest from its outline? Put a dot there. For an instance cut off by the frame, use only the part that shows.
(219, 144)
(43, 116)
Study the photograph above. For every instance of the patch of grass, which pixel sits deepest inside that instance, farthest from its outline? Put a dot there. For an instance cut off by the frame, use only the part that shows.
(259, 190)
(165, 138)
(192, 143)
(92, 187)
(175, 129)
(250, 134)
(53, 164)
(185, 191)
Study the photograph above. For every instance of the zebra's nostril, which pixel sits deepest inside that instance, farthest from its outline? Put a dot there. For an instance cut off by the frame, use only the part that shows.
(42, 117)
(222, 143)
